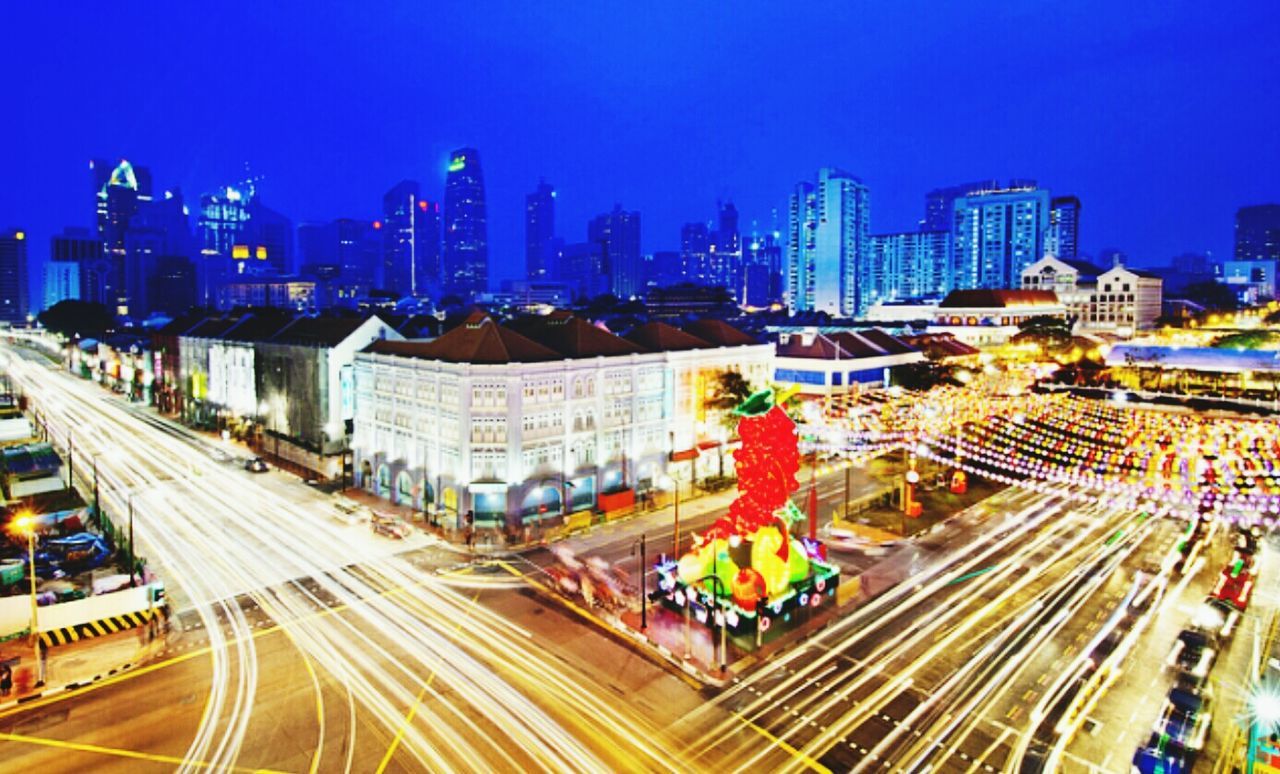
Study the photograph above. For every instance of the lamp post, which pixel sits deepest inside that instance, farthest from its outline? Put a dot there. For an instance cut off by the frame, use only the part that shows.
(133, 560)
(644, 582)
(25, 524)
(667, 482)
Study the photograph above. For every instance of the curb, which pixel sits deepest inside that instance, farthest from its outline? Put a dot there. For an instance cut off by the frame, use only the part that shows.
(48, 692)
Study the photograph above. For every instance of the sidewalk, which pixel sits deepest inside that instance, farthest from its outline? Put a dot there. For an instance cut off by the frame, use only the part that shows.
(76, 664)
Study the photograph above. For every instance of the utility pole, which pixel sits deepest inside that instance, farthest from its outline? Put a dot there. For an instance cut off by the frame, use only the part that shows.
(133, 558)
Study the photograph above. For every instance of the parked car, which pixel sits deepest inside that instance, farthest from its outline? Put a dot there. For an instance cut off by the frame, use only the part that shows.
(1193, 654)
(256, 465)
(351, 513)
(1234, 585)
(1185, 718)
(390, 527)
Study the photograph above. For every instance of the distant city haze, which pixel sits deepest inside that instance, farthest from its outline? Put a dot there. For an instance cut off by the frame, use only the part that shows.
(1160, 118)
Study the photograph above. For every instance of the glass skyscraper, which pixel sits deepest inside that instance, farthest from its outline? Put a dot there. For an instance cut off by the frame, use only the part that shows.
(466, 240)
(540, 231)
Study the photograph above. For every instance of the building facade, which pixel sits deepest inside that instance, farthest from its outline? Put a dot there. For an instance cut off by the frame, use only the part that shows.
(14, 302)
(466, 233)
(1257, 232)
(988, 317)
(913, 264)
(540, 232)
(516, 427)
(829, 245)
(828, 364)
(1119, 300)
(1062, 239)
(618, 235)
(996, 234)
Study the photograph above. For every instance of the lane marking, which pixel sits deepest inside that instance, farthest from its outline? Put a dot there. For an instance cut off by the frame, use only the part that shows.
(117, 752)
(793, 752)
(417, 702)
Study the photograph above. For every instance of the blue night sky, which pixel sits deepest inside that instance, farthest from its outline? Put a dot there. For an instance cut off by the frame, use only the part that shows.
(1162, 117)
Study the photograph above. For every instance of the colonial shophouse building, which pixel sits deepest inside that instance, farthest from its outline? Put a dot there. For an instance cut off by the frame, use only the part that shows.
(543, 416)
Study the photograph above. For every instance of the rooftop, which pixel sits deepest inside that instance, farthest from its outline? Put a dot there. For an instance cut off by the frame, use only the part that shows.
(998, 299)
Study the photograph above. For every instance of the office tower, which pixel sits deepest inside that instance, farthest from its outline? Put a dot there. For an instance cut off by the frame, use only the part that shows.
(618, 235)
(269, 236)
(829, 244)
(695, 253)
(172, 285)
(998, 233)
(939, 204)
(466, 241)
(318, 247)
(1258, 233)
(726, 249)
(158, 232)
(13, 276)
(539, 231)
(83, 248)
(1062, 240)
(61, 282)
(121, 191)
(222, 220)
(912, 264)
(583, 268)
(762, 269)
(666, 268)
(410, 241)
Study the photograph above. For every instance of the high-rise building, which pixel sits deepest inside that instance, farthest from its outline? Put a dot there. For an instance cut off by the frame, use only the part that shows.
(1062, 240)
(828, 245)
(61, 282)
(540, 231)
(695, 253)
(121, 192)
(998, 233)
(172, 285)
(618, 235)
(582, 265)
(1258, 233)
(466, 236)
(762, 269)
(83, 248)
(726, 249)
(411, 241)
(13, 276)
(912, 264)
(939, 204)
(160, 232)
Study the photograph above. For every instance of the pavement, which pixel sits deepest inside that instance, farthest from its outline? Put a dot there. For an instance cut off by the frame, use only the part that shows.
(75, 664)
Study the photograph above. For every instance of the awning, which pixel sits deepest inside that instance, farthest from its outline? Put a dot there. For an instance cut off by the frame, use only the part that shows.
(684, 456)
(104, 626)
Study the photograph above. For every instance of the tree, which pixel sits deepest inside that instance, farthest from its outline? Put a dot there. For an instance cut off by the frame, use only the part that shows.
(1053, 334)
(78, 318)
(731, 389)
(1213, 295)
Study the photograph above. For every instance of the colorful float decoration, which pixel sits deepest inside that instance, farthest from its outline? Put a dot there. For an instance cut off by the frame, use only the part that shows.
(750, 565)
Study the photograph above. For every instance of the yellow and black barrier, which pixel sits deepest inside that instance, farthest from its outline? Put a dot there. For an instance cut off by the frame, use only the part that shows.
(103, 626)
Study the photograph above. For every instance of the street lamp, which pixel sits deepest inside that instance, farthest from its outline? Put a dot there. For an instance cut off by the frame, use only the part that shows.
(25, 524)
(667, 482)
(644, 582)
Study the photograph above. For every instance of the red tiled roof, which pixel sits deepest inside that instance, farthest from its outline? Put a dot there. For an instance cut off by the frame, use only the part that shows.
(719, 333)
(573, 336)
(660, 337)
(997, 299)
(318, 331)
(479, 340)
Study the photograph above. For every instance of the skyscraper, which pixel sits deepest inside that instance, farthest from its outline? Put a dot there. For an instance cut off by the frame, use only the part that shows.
(466, 241)
(829, 244)
(411, 241)
(61, 282)
(998, 233)
(83, 248)
(13, 276)
(762, 269)
(913, 264)
(539, 231)
(939, 203)
(618, 234)
(1062, 240)
(121, 191)
(1258, 233)
(726, 250)
(695, 253)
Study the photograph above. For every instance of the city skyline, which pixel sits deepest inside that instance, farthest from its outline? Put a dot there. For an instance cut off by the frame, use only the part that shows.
(659, 162)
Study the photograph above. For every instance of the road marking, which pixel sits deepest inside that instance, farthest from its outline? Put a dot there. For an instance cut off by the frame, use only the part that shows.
(391, 749)
(118, 752)
(793, 752)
